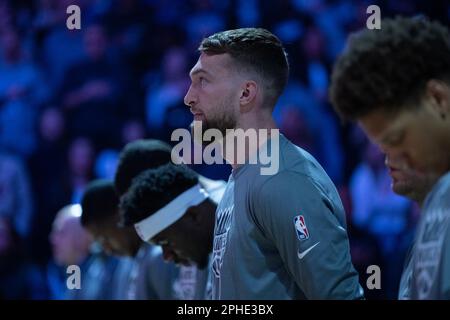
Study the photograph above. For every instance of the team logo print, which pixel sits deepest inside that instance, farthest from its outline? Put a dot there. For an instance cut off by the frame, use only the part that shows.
(223, 224)
(428, 252)
(300, 228)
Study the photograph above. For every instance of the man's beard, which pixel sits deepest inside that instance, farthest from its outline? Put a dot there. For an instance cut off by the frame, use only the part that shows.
(415, 187)
(221, 122)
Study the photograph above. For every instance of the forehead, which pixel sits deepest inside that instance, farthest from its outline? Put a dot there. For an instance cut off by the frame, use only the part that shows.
(378, 125)
(171, 232)
(212, 64)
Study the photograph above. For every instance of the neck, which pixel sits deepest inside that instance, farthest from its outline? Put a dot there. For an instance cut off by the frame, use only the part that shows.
(264, 120)
(250, 134)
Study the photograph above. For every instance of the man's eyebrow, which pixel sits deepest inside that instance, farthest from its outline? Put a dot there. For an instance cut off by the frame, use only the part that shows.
(197, 71)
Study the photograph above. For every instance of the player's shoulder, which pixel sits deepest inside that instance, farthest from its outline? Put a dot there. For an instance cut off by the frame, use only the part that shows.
(297, 159)
(215, 188)
(444, 184)
(298, 169)
(210, 184)
(439, 198)
(283, 183)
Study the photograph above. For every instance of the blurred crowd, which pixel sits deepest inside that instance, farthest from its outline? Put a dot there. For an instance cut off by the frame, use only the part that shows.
(71, 99)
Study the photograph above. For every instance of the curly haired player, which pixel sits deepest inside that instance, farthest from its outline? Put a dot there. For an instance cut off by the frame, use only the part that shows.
(395, 83)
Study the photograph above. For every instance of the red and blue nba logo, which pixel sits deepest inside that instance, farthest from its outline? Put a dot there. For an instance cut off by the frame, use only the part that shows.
(300, 228)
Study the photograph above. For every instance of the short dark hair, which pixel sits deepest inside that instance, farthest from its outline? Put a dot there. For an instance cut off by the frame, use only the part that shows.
(153, 189)
(253, 49)
(388, 68)
(138, 156)
(99, 202)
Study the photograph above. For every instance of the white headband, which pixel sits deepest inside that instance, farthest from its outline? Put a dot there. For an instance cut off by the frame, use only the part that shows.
(169, 214)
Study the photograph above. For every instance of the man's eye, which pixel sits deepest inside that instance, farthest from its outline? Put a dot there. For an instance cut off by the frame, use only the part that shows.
(396, 140)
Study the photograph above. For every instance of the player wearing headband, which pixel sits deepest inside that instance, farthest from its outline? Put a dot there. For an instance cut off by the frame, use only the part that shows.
(173, 207)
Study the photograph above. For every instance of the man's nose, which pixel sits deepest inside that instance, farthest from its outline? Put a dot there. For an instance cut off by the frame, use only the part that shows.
(393, 160)
(168, 254)
(189, 98)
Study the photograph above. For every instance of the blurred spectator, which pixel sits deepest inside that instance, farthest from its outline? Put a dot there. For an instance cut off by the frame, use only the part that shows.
(69, 240)
(21, 92)
(165, 29)
(125, 21)
(92, 90)
(167, 90)
(321, 124)
(381, 213)
(277, 13)
(133, 130)
(333, 20)
(46, 165)
(80, 157)
(16, 202)
(375, 207)
(19, 279)
(106, 164)
(316, 70)
(47, 15)
(247, 12)
(203, 21)
(58, 47)
(169, 12)
(6, 15)
(72, 245)
(293, 125)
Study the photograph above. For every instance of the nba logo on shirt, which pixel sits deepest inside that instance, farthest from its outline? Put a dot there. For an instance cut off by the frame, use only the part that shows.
(300, 228)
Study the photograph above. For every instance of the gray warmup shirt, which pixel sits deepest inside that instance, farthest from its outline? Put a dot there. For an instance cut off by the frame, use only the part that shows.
(282, 236)
(146, 276)
(427, 272)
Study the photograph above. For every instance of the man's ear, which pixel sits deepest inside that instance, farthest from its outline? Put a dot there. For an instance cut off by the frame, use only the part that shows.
(248, 95)
(438, 93)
